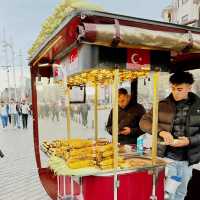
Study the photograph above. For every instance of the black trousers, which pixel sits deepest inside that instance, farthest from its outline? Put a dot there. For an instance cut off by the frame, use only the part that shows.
(24, 120)
(9, 117)
(193, 186)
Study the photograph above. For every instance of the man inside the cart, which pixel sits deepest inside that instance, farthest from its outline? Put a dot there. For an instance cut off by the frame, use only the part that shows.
(129, 116)
(179, 129)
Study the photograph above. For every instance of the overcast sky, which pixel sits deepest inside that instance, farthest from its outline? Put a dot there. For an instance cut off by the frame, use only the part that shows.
(21, 19)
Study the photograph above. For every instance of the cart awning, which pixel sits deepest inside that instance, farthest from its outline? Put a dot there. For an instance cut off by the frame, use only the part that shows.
(135, 37)
(113, 30)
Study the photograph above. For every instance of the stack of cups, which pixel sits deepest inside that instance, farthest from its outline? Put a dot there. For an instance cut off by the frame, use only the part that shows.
(140, 147)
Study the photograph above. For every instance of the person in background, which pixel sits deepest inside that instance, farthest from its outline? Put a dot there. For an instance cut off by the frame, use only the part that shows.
(9, 115)
(179, 128)
(84, 108)
(4, 114)
(19, 114)
(1, 154)
(31, 109)
(13, 113)
(25, 112)
(128, 119)
(55, 111)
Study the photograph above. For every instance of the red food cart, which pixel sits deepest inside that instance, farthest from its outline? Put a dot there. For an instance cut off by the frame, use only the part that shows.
(106, 48)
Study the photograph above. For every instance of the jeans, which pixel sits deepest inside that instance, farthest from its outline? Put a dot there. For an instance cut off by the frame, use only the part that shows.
(14, 120)
(4, 119)
(179, 168)
(18, 120)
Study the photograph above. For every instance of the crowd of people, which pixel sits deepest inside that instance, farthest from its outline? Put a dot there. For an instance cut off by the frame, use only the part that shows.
(55, 110)
(15, 114)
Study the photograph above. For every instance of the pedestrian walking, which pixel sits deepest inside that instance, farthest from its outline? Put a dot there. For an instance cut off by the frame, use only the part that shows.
(1, 154)
(19, 114)
(4, 114)
(84, 108)
(55, 111)
(13, 113)
(9, 115)
(25, 111)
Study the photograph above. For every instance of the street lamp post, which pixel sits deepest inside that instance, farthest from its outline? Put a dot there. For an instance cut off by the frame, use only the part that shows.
(6, 44)
(14, 72)
(8, 78)
(22, 74)
(6, 65)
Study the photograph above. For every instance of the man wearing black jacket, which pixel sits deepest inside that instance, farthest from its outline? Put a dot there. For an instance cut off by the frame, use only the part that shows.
(179, 128)
(128, 120)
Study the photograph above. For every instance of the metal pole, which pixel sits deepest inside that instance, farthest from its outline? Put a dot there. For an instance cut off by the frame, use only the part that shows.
(68, 113)
(155, 116)
(6, 62)
(10, 45)
(13, 65)
(154, 177)
(115, 129)
(8, 76)
(14, 74)
(96, 111)
(22, 73)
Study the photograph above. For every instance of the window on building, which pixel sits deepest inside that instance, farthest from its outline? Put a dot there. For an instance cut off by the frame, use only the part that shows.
(184, 19)
(184, 1)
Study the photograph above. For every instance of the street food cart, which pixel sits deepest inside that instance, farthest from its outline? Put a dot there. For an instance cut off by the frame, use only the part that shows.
(99, 48)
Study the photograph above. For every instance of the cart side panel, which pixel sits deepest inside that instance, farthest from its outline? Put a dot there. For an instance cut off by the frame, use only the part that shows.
(133, 185)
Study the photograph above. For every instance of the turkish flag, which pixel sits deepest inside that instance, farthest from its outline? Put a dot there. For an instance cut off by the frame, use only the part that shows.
(73, 55)
(58, 72)
(138, 59)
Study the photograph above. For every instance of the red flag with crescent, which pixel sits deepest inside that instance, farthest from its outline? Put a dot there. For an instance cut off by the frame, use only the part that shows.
(138, 59)
(73, 55)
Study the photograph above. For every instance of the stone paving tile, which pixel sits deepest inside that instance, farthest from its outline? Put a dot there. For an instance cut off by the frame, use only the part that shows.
(18, 174)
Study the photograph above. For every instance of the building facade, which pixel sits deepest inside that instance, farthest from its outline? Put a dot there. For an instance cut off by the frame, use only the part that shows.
(185, 12)
(21, 92)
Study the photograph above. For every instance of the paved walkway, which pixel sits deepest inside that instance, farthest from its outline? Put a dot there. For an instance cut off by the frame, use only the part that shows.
(18, 174)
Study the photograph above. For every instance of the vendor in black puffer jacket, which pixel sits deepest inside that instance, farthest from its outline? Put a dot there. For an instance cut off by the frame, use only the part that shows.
(128, 119)
(178, 118)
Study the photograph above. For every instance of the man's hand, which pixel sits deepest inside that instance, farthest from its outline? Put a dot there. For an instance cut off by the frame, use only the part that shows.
(181, 142)
(167, 137)
(126, 131)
